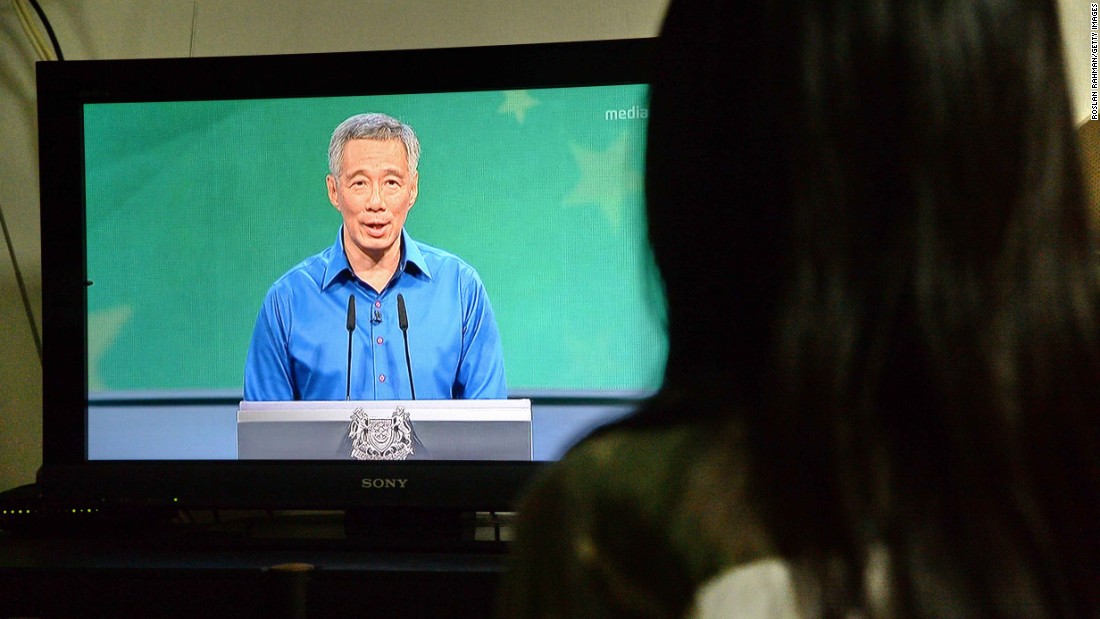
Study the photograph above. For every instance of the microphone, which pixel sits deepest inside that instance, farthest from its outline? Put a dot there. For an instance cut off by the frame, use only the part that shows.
(403, 322)
(402, 316)
(351, 328)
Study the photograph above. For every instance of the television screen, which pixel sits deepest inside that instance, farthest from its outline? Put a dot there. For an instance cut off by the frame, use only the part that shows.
(194, 192)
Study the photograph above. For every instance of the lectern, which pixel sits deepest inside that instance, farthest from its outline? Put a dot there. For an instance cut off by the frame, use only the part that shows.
(385, 429)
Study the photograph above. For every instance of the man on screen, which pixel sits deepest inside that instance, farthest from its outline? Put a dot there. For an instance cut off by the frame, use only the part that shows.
(299, 348)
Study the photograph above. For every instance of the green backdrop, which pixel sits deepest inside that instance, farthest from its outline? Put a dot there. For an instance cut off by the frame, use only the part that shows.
(195, 208)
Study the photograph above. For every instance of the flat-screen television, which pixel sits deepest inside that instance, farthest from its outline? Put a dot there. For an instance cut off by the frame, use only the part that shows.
(176, 191)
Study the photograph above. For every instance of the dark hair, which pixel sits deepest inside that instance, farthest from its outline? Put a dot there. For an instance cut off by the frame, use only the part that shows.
(371, 126)
(870, 222)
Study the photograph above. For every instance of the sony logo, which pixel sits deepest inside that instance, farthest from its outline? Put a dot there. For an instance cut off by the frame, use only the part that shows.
(384, 483)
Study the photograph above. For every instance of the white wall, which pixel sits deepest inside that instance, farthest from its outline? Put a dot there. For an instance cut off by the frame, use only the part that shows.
(117, 29)
(1074, 17)
(98, 29)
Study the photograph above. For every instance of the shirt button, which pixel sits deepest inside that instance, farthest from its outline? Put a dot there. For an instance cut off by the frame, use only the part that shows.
(378, 304)
(379, 340)
(381, 378)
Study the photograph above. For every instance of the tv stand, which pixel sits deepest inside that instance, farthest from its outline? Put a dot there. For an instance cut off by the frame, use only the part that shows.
(260, 564)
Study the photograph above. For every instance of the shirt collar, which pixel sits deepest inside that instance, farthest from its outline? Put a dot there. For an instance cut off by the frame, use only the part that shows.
(336, 261)
(411, 255)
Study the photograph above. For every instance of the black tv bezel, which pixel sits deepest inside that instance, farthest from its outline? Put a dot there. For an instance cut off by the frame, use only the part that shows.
(63, 89)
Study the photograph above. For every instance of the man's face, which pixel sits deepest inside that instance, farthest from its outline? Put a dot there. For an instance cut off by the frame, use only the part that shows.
(374, 193)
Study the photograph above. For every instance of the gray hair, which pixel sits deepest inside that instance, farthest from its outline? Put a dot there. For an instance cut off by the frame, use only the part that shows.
(373, 126)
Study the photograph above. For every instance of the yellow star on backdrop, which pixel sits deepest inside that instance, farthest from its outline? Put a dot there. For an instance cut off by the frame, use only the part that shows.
(607, 179)
(517, 102)
(103, 328)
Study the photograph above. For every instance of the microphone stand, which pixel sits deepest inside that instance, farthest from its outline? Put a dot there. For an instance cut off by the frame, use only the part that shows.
(403, 322)
(351, 329)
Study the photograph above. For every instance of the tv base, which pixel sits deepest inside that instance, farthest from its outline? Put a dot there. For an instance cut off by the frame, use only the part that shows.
(426, 528)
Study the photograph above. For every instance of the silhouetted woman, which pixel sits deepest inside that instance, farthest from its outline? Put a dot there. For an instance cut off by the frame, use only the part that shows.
(882, 396)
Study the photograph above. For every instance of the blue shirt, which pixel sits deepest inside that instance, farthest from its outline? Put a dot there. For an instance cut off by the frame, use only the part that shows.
(299, 348)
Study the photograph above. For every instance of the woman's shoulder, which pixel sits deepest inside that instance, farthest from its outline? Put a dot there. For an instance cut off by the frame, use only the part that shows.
(634, 461)
(642, 513)
(648, 471)
(638, 516)
(597, 525)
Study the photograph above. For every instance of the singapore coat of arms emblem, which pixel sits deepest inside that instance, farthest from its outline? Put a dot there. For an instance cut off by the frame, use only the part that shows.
(381, 438)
